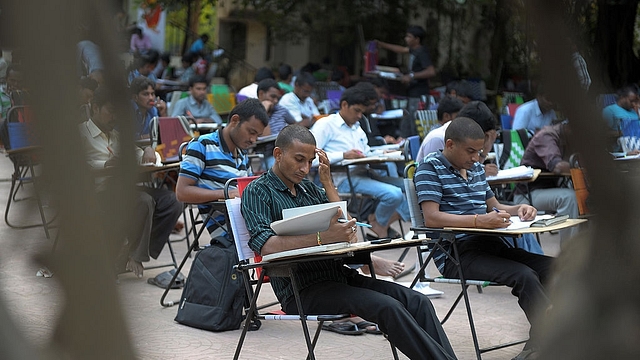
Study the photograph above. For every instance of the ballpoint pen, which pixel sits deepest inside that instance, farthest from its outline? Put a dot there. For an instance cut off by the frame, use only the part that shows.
(495, 209)
(357, 223)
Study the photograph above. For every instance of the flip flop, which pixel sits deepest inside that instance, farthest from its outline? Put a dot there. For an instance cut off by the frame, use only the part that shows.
(391, 234)
(344, 328)
(364, 325)
(163, 279)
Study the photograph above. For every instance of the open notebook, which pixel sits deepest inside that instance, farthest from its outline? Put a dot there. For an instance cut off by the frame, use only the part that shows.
(539, 221)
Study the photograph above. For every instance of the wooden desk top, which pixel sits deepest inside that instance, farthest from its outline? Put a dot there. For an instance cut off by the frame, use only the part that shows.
(504, 232)
(346, 251)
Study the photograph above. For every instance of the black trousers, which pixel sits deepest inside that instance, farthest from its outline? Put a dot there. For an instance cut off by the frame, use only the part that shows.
(405, 315)
(488, 258)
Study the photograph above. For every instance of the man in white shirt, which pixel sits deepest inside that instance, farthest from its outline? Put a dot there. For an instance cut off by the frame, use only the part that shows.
(535, 114)
(156, 211)
(341, 137)
(299, 102)
(447, 110)
(251, 90)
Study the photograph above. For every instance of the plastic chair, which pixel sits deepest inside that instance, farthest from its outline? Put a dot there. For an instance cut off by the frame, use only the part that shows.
(630, 139)
(515, 143)
(167, 133)
(439, 240)
(222, 98)
(20, 140)
(426, 120)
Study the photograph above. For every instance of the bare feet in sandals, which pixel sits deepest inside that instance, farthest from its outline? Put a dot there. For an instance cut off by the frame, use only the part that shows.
(384, 267)
(135, 267)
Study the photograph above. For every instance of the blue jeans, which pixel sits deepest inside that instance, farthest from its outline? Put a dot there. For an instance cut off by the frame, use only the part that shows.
(388, 190)
(528, 242)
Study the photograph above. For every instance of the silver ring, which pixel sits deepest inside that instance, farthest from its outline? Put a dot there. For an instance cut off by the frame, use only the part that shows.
(353, 228)
(504, 220)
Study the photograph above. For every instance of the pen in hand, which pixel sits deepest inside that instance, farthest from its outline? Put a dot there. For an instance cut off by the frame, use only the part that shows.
(357, 223)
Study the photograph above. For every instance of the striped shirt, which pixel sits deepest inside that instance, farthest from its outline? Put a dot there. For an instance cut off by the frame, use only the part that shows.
(437, 180)
(210, 163)
(262, 203)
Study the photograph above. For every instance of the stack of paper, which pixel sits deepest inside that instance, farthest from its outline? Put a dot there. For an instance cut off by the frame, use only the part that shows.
(520, 172)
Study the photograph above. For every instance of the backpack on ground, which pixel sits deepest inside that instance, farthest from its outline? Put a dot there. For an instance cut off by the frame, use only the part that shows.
(214, 294)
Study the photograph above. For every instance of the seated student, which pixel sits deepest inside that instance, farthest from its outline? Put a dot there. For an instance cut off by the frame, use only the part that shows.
(327, 286)
(140, 42)
(279, 117)
(549, 151)
(156, 210)
(626, 107)
(285, 74)
(163, 70)
(535, 114)
(447, 110)
(460, 89)
(452, 191)
(86, 87)
(14, 84)
(251, 90)
(214, 158)
(199, 46)
(196, 105)
(146, 106)
(299, 102)
(188, 70)
(143, 65)
(341, 137)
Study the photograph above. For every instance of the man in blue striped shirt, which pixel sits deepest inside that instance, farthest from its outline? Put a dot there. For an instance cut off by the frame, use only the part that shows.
(453, 191)
(214, 158)
(327, 286)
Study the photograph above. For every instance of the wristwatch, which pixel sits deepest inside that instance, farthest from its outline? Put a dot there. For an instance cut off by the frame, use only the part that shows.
(411, 75)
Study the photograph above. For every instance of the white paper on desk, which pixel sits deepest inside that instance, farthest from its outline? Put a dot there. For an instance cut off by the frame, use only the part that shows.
(520, 172)
(308, 222)
(517, 224)
(239, 228)
(389, 114)
(382, 148)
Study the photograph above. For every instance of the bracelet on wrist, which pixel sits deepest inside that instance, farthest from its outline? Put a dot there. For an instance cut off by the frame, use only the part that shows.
(318, 237)
(475, 223)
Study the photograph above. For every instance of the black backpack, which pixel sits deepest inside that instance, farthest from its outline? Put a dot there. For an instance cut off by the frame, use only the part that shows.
(214, 294)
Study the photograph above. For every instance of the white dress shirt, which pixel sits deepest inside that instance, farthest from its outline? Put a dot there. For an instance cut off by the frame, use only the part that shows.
(299, 108)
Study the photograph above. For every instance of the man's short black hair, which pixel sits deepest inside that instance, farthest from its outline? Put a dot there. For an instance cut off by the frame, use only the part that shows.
(293, 132)
(197, 79)
(625, 91)
(263, 73)
(151, 57)
(362, 94)
(248, 108)
(204, 37)
(478, 111)
(140, 84)
(449, 105)
(267, 84)
(284, 71)
(305, 78)
(462, 129)
(417, 31)
(102, 96)
(86, 82)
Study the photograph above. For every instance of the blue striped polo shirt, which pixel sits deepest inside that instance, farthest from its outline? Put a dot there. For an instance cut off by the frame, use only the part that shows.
(210, 163)
(437, 180)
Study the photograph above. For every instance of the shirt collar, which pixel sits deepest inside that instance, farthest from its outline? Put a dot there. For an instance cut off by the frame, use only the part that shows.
(225, 147)
(440, 156)
(279, 185)
(192, 101)
(93, 129)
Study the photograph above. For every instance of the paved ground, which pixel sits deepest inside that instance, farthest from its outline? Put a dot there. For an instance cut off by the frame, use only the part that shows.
(34, 304)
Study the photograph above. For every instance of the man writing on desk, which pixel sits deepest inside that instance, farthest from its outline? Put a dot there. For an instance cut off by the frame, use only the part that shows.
(214, 158)
(453, 192)
(341, 137)
(327, 286)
